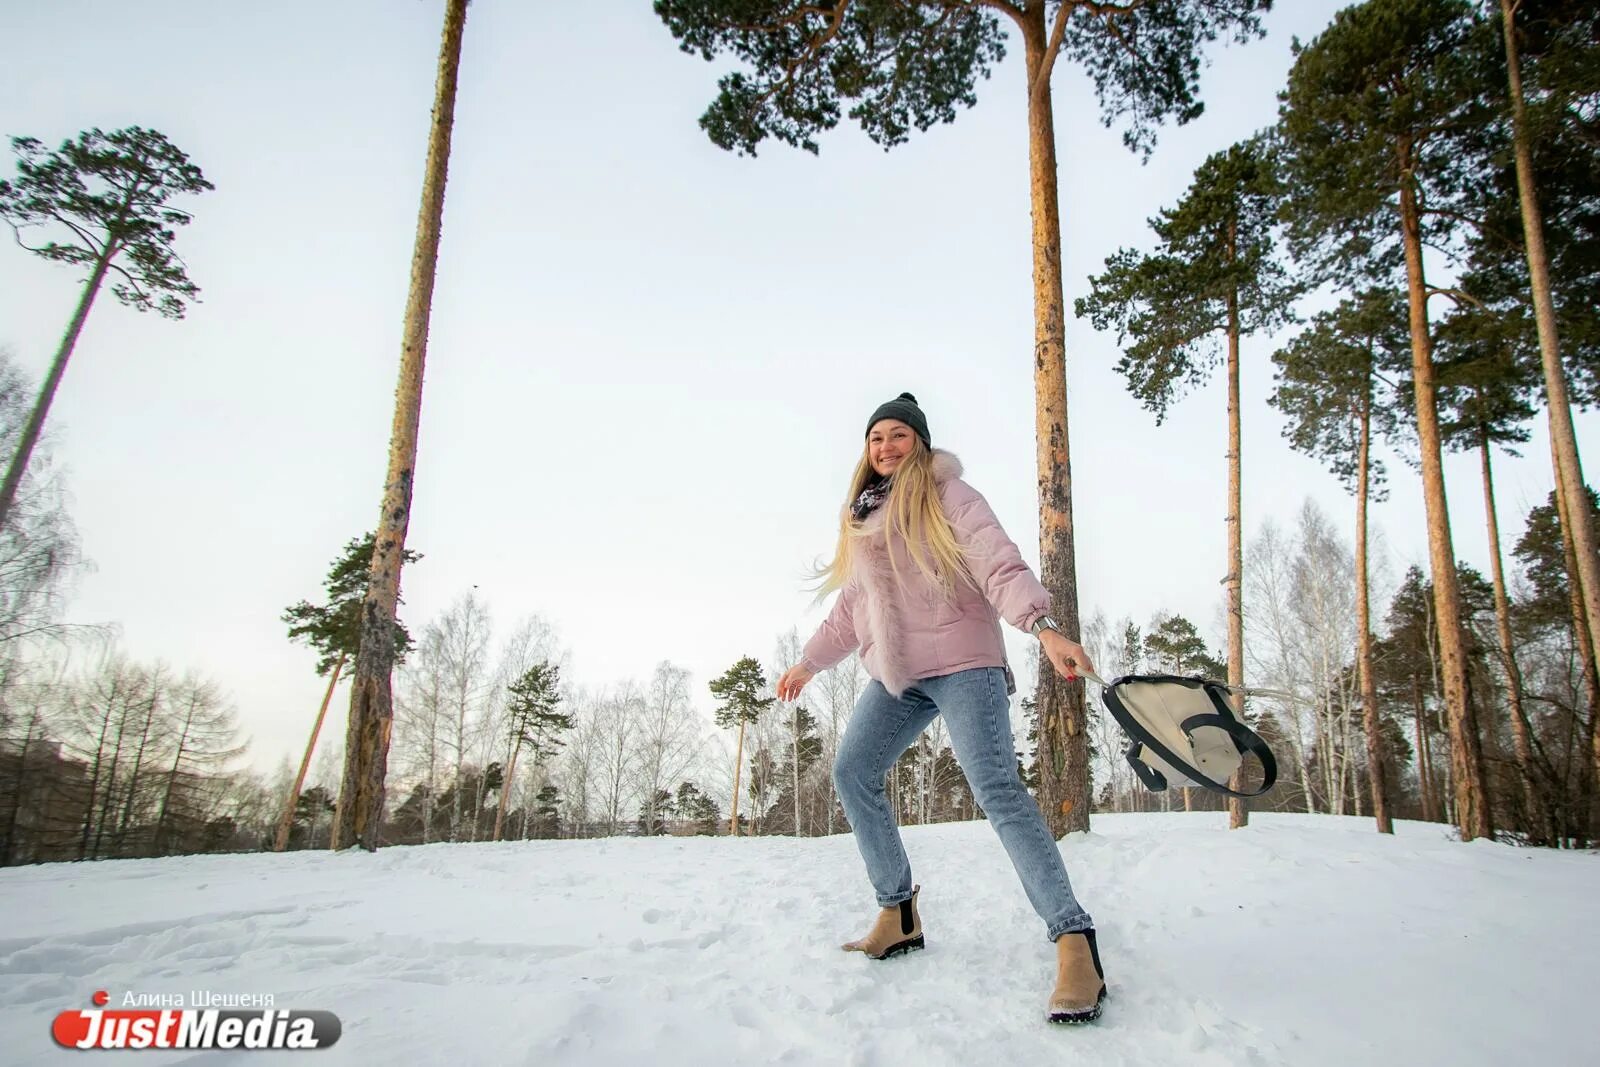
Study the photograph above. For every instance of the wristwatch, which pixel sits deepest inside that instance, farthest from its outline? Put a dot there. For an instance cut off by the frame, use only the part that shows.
(1044, 622)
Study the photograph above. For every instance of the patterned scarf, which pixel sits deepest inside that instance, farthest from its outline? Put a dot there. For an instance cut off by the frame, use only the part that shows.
(870, 498)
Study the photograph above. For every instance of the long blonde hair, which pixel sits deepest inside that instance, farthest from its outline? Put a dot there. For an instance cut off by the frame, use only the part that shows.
(912, 512)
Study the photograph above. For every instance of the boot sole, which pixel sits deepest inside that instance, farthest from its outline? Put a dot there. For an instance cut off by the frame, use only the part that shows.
(911, 944)
(1078, 1018)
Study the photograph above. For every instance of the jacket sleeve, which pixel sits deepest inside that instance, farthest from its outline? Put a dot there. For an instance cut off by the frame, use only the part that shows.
(836, 637)
(994, 559)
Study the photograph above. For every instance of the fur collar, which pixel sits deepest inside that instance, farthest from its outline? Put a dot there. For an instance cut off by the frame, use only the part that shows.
(946, 467)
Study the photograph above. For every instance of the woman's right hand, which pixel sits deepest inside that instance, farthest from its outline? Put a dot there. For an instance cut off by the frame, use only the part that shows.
(794, 679)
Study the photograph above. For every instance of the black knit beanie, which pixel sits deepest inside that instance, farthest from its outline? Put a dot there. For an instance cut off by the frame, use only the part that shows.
(903, 407)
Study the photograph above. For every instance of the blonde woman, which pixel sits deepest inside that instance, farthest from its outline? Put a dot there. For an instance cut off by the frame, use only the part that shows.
(924, 573)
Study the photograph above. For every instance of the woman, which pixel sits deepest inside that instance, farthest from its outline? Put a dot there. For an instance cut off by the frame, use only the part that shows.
(924, 573)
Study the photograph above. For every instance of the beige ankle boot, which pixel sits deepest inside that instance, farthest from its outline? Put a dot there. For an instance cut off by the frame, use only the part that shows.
(898, 930)
(1080, 983)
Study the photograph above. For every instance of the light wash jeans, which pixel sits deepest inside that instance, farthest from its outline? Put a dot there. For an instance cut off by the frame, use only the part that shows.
(976, 712)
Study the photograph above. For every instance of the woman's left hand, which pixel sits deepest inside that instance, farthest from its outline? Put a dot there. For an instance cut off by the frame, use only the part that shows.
(1066, 655)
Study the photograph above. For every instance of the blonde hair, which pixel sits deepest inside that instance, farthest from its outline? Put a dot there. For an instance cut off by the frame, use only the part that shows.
(913, 512)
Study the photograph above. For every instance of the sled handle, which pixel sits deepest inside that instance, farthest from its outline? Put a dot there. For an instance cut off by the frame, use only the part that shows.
(1242, 690)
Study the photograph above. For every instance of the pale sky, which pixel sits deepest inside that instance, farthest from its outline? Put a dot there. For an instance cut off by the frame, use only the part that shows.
(651, 361)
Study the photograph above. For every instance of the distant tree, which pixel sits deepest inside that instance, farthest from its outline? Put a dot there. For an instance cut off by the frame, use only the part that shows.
(371, 699)
(1337, 385)
(310, 808)
(462, 637)
(204, 740)
(1539, 550)
(1406, 660)
(670, 735)
(654, 811)
(1555, 604)
(334, 630)
(740, 690)
(535, 722)
(106, 196)
(805, 751)
(546, 813)
(422, 708)
(895, 66)
(1483, 392)
(1177, 647)
(699, 810)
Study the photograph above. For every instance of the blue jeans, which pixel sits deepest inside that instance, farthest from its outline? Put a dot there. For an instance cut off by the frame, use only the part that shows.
(977, 713)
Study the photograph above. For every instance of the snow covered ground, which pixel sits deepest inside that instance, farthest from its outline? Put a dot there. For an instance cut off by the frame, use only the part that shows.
(1300, 940)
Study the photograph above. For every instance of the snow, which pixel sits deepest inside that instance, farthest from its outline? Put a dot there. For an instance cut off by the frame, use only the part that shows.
(1300, 940)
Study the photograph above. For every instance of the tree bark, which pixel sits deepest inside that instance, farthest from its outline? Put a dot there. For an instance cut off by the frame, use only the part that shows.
(1238, 807)
(94, 773)
(505, 787)
(1424, 756)
(1377, 754)
(361, 795)
(159, 846)
(1508, 651)
(47, 392)
(1558, 408)
(286, 824)
(1466, 758)
(797, 771)
(738, 765)
(1063, 752)
(125, 820)
(1582, 638)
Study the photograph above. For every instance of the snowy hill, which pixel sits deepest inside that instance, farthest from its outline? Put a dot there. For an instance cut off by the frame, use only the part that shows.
(1300, 940)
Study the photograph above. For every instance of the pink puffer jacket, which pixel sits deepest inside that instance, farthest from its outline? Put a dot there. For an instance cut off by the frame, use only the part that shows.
(908, 629)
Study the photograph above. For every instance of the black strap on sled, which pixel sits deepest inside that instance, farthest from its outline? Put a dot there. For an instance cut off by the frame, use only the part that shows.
(1153, 779)
(1244, 739)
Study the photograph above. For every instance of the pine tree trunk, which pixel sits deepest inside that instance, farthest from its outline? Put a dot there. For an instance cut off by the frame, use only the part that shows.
(125, 821)
(19, 791)
(1508, 651)
(1424, 757)
(1063, 741)
(285, 824)
(160, 842)
(1558, 407)
(1238, 807)
(1582, 638)
(1466, 758)
(108, 795)
(1377, 755)
(361, 795)
(505, 788)
(738, 765)
(47, 392)
(94, 781)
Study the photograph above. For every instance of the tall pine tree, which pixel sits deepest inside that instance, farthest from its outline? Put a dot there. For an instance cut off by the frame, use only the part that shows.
(535, 722)
(334, 630)
(1337, 385)
(741, 692)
